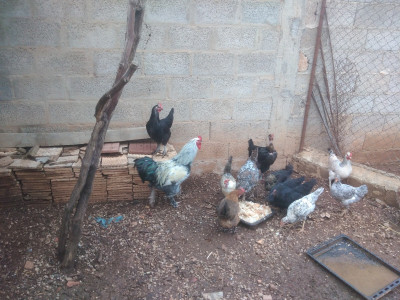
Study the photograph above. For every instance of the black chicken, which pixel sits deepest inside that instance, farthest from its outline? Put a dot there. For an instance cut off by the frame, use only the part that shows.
(285, 193)
(160, 130)
(266, 155)
(278, 176)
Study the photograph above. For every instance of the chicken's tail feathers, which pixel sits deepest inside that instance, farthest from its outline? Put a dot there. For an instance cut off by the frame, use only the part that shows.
(146, 168)
(228, 165)
(289, 167)
(251, 147)
(362, 190)
(170, 118)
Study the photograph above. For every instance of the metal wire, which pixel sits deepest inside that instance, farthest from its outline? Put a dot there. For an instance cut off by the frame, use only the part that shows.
(355, 99)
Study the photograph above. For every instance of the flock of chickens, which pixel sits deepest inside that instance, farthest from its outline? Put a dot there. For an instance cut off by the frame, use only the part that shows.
(293, 194)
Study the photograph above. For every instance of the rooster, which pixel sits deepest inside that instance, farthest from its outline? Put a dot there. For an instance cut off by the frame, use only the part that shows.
(228, 182)
(228, 210)
(168, 175)
(337, 168)
(249, 174)
(266, 155)
(160, 130)
(300, 209)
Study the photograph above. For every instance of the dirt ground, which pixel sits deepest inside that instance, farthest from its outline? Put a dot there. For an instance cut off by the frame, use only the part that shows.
(168, 253)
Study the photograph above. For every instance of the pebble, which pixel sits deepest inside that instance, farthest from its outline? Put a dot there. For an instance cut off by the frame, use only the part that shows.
(29, 265)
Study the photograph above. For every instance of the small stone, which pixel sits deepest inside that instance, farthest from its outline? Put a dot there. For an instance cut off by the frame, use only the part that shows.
(72, 283)
(213, 296)
(273, 287)
(267, 297)
(29, 265)
(5, 161)
(260, 242)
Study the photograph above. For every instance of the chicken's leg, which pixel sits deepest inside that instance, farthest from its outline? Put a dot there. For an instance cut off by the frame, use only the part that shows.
(152, 198)
(302, 228)
(157, 149)
(173, 202)
(165, 151)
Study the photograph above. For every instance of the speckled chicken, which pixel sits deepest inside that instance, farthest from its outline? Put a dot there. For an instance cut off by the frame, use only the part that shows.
(249, 175)
(300, 209)
(337, 168)
(228, 210)
(228, 182)
(347, 194)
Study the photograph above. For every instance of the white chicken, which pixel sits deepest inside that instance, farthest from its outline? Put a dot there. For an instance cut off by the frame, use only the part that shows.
(300, 209)
(228, 182)
(341, 169)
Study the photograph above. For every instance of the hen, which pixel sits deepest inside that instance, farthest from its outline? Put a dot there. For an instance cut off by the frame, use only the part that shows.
(168, 175)
(347, 194)
(337, 168)
(249, 174)
(228, 182)
(285, 193)
(228, 210)
(301, 208)
(160, 130)
(266, 155)
(278, 176)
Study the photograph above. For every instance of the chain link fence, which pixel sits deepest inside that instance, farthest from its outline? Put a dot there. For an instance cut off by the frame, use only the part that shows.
(355, 99)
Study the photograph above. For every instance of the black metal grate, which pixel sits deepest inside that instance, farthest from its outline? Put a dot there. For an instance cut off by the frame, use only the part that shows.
(355, 99)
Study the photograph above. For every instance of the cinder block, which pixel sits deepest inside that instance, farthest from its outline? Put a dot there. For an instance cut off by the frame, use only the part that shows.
(109, 10)
(89, 88)
(213, 64)
(133, 111)
(252, 110)
(145, 88)
(373, 16)
(213, 150)
(5, 89)
(308, 38)
(166, 64)
(167, 11)
(16, 61)
(182, 110)
(215, 12)
(269, 39)
(47, 9)
(200, 167)
(17, 113)
(153, 37)
(383, 40)
(64, 62)
(72, 112)
(261, 12)
(342, 14)
(265, 87)
(191, 88)
(233, 87)
(190, 38)
(75, 9)
(16, 8)
(256, 63)
(235, 38)
(182, 132)
(394, 86)
(211, 110)
(232, 130)
(93, 35)
(29, 32)
(34, 87)
(348, 38)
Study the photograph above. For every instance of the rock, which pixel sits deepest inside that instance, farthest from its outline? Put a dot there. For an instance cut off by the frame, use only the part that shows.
(260, 242)
(303, 62)
(267, 297)
(213, 296)
(5, 161)
(273, 287)
(25, 164)
(29, 265)
(71, 283)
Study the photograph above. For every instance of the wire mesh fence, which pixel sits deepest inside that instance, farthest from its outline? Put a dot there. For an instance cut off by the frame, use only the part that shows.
(355, 99)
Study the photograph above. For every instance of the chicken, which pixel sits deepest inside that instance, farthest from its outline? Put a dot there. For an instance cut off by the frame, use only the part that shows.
(168, 175)
(228, 210)
(160, 130)
(249, 174)
(337, 168)
(301, 208)
(285, 193)
(347, 194)
(266, 155)
(228, 182)
(278, 176)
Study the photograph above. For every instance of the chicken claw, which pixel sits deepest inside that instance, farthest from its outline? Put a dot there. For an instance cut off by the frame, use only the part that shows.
(152, 198)
(173, 202)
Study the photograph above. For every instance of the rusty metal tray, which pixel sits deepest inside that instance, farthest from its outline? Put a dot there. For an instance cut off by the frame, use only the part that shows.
(357, 267)
(258, 221)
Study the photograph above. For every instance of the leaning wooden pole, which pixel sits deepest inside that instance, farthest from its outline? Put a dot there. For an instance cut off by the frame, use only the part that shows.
(75, 209)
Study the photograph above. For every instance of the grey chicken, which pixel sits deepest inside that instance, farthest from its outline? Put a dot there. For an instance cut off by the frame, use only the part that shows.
(347, 194)
(249, 175)
(337, 168)
(300, 209)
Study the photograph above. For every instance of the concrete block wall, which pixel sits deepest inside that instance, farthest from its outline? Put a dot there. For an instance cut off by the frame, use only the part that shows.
(230, 68)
